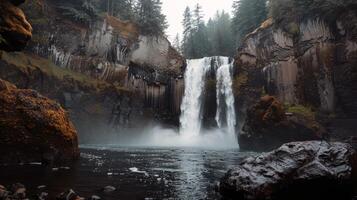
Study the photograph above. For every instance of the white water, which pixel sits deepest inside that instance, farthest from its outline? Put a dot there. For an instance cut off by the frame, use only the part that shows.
(191, 134)
(191, 107)
(225, 97)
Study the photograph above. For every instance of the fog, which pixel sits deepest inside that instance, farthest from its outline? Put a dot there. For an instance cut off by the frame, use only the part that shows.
(158, 136)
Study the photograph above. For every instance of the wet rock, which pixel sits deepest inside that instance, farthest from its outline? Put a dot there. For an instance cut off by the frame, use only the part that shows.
(69, 195)
(43, 196)
(108, 189)
(18, 190)
(267, 127)
(41, 187)
(32, 125)
(299, 170)
(3, 192)
(15, 31)
(95, 197)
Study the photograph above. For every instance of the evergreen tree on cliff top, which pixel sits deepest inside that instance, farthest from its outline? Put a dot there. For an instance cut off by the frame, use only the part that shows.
(187, 41)
(200, 39)
(247, 16)
(149, 17)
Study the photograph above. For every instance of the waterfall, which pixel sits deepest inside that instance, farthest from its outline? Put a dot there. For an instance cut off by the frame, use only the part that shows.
(225, 97)
(191, 106)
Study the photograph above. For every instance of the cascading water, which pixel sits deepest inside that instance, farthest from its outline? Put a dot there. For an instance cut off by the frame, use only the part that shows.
(225, 97)
(191, 106)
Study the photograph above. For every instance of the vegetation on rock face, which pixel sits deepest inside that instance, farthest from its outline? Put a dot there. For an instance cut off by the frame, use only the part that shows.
(296, 10)
(248, 15)
(300, 110)
(34, 128)
(31, 63)
(238, 82)
(149, 17)
(84, 12)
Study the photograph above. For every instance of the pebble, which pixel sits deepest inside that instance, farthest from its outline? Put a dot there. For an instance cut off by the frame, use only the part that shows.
(109, 188)
(40, 187)
(43, 196)
(95, 197)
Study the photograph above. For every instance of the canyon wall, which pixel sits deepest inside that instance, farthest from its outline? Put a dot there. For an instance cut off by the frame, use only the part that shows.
(105, 73)
(310, 63)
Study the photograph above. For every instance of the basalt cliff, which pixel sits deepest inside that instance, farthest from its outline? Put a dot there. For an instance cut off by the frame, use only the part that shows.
(105, 72)
(308, 62)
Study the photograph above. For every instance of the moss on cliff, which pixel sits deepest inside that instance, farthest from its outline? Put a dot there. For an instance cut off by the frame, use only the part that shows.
(28, 63)
(302, 110)
(238, 82)
(286, 11)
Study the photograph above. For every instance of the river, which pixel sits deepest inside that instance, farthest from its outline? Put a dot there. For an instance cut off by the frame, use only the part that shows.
(135, 172)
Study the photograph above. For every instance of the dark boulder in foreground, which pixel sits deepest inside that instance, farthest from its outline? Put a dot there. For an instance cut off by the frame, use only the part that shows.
(268, 126)
(34, 128)
(299, 170)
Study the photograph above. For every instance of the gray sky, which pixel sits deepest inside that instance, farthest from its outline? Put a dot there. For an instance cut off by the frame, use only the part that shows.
(173, 9)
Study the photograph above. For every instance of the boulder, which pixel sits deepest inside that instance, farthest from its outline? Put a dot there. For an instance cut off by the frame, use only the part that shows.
(299, 170)
(15, 30)
(34, 128)
(268, 126)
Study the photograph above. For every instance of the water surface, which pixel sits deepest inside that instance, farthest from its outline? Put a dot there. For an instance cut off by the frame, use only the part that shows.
(137, 173)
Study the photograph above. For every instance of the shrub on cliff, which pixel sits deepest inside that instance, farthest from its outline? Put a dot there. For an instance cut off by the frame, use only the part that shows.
(284, 11)
(247, 16)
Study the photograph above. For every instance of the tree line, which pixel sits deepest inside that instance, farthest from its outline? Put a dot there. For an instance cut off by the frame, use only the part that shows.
(220, 35)
(147, 14)
(223, 33)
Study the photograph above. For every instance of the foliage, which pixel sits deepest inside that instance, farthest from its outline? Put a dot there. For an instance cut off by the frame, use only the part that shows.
(177, 44)
(301, 110)
(238, 82)
(211, 39)
(29, 63)
(284, 11)
(247, 16)
(85, 12)
(220, 35)
(149, 17)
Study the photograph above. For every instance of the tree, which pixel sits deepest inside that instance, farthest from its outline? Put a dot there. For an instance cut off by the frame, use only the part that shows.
(220, 35)
(83, 11)
(187, 42)
(177, 44)
(247, 16)
(149, 17)
(123, 9)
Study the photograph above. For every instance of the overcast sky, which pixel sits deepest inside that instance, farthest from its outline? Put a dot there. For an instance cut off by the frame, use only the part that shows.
(173, 9)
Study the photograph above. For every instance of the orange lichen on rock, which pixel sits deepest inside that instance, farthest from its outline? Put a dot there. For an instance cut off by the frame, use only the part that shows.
(34, 128)
(125, 28)
(14, 27)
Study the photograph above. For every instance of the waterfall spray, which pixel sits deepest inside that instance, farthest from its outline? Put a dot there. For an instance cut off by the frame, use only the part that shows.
(191, 107)
(225, 97)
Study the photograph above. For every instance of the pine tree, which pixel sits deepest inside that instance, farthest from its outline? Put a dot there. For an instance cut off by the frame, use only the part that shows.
(248, 15)
(177, 44)
(187, 42)
(149, 17)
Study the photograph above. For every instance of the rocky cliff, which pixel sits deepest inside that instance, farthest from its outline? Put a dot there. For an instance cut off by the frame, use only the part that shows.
(104, 72)
(306, 60)
(33, 128)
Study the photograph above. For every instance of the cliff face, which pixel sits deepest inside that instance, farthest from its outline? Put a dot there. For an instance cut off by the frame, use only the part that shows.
(105, 72)
(15, 30)
(311, 63)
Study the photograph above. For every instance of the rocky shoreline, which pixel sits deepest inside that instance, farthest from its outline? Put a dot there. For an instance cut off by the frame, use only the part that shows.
(18, 191)
(297, 170)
